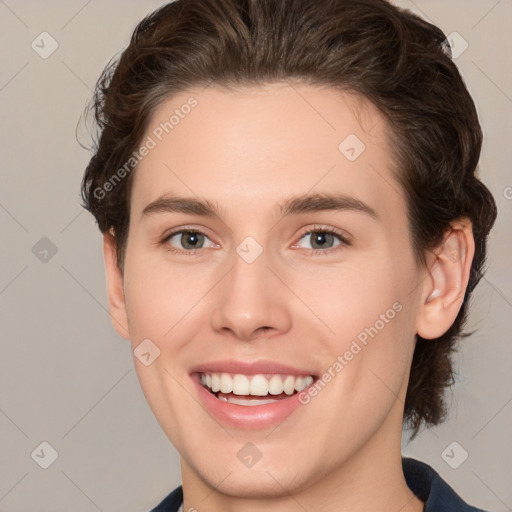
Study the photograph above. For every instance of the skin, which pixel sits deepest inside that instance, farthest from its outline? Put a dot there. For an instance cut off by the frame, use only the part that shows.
(246, 152)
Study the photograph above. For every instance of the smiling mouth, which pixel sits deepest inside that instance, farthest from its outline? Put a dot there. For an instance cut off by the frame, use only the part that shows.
(251, 390)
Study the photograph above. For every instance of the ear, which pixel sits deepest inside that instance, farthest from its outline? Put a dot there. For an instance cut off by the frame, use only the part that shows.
(115, 290)
(447, 280)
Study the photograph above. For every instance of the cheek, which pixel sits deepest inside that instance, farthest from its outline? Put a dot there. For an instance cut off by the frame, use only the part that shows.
(159, 295)
(371, 311)
(350, 297)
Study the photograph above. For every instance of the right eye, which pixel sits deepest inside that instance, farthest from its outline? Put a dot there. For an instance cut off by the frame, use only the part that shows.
(185, 241)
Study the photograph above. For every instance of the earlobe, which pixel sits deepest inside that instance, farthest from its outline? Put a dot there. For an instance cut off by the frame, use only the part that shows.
(115, 291)
(447, 280)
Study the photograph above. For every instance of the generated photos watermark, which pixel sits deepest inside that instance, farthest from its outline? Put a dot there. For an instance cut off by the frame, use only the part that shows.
(150, 142)
(357, 345)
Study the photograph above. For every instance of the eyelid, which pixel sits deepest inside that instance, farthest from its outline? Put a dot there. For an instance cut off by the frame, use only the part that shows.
(180, 229)
(324, 227)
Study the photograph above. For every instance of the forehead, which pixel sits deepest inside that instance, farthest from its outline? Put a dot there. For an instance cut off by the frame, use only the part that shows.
(254, 146)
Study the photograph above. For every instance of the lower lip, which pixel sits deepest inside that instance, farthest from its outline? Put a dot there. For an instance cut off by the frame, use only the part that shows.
(247, 417)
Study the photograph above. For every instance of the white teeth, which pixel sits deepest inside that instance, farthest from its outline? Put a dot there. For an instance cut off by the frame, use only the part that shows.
(241, 385)
(275, 385)
(259, 386)
(226, 383)
(289, 385)
(299, 384)
(256, 385)
(215, 382)
(248, 402)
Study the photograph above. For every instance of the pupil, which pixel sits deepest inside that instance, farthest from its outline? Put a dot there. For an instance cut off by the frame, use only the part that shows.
(190, 240)
(322, 239)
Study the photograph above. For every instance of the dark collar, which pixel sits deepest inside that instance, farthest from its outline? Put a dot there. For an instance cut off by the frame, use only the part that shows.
(425, 483)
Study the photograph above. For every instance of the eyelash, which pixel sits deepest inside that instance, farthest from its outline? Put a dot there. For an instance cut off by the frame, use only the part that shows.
(344, 241)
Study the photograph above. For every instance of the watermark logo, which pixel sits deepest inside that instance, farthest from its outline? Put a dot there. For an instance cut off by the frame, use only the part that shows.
(44, 455)
(44, 45)
(351, 147)
(249, 249)
(44, 250)
(146, 352)
(454, 455)
(249, 455)
(457, 44)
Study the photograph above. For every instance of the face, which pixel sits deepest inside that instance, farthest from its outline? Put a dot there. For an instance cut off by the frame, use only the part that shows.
(269, 255)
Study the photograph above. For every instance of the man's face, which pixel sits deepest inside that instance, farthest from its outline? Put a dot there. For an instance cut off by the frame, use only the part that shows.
(317, 289)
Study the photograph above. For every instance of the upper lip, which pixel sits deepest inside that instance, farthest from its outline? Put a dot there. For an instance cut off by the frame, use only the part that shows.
(249, 368)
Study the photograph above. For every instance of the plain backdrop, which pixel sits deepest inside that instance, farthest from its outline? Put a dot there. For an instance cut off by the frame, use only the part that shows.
(68, 380)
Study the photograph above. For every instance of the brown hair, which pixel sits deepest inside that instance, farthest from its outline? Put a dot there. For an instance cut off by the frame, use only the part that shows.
(392, 57)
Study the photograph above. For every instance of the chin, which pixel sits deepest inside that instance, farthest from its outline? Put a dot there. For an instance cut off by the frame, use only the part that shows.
(255, 485)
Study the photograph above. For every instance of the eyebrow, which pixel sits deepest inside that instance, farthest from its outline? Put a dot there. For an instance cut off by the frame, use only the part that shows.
(306, 203)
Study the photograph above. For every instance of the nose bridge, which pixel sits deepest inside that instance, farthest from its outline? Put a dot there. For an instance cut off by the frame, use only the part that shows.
(250, 297)
(250, 275)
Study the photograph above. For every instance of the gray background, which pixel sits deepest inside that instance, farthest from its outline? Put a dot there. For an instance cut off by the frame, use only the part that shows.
(67, 379)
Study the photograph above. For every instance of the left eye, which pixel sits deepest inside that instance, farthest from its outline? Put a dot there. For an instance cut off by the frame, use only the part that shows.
(322, 239)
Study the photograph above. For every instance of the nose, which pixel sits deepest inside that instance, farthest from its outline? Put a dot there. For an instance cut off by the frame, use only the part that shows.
(251, 302)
